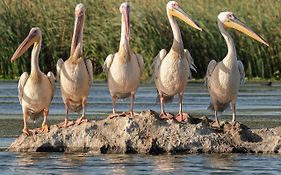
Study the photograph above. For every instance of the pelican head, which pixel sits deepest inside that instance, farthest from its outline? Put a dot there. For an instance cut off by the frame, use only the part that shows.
(125, 11)
(173, 9)
(229, 20)
(77, 38)
(33, 37)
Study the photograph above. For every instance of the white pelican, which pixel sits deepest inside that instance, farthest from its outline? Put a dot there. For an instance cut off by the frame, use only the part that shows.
(171, 70)
(76, 73)
(35, 90)
(224, 78)
(124, 68)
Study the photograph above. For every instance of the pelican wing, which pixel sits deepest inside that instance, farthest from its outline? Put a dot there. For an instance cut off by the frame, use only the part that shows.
(52, 80)
(89, 67)
(157, 63)
(190, 61)
(107, 63)
(59, 67)
(210, 69)
(21, 84)
(241, 71)
(140, 62)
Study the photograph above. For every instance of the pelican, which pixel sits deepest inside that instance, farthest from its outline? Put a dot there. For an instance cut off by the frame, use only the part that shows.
(171, 70)
(76, 73)
(224, 78)
(124, 68)
(35, 91)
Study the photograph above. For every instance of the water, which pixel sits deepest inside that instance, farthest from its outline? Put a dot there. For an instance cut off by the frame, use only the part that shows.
(59, 163)
(257, 105)
(254, 101)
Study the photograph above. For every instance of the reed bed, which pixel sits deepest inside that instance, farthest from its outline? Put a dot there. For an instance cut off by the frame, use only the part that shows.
(150, 33)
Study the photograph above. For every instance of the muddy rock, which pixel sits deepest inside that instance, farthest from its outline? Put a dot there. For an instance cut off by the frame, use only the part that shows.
(146, 133)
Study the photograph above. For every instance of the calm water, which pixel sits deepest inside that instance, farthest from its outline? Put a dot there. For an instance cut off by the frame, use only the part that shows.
(258, 105)
(254, 101)
(59, 163)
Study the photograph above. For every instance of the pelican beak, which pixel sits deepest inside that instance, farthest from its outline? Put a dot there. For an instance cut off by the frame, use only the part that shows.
(178, 12)
(28, 41)
(78, 29)
(238, 25)
(126, 14)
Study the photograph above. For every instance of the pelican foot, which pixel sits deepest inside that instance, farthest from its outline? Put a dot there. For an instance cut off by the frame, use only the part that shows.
(216, 124)
(111, 116)
(28, 132)
(65, 124)
(123, 114)
(81, 120)
(44, 128)
(233, 123)
(166, 116)
(182, 117)
(130, 114)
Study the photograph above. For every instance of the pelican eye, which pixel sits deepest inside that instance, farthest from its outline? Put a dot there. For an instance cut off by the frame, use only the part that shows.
(34, 32)
(174, 5)
(230, 17)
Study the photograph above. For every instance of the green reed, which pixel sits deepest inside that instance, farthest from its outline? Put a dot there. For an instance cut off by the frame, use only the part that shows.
(150, 33)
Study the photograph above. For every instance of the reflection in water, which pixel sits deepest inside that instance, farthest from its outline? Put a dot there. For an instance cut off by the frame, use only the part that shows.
(68, 164)
(167, 163)
(29, 159)
(25, 161)
(118, 163)
(222, 161)
(73, 160)
(40, 163)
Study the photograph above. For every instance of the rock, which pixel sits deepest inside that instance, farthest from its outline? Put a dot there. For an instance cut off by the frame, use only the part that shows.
(147, 133)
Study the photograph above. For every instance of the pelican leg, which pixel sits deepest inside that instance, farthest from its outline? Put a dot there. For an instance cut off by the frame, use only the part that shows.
(132, 99)
(66, 122)
(82, 118)
(233, 103)
(45, 127)
(217, 122)
(113, 104)
(131, 112)
(114, 114)
(25, 129)
(180, 117)
(132, 104)
(163, 114)
(161, 104)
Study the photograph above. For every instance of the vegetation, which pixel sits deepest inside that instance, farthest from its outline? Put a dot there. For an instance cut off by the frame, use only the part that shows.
(150, 33)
